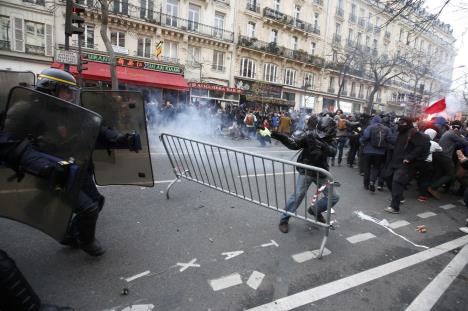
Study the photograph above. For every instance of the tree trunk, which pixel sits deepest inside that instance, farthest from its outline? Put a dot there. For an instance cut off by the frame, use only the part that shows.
(370, 101)
(107, 43)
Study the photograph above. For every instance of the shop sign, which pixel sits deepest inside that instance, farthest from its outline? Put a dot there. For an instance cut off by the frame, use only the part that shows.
(134, 63)
(255, 88)
(66, 57)
(214, 87)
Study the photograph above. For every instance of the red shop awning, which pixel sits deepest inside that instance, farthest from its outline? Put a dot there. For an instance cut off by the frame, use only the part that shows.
(101, 72)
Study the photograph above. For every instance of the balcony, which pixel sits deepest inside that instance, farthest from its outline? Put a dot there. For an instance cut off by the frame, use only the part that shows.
(337, 39)
(218, 68)
(254, 7)
(352, 18)
(353, 94)
(226, 2)
(362, 22)
(290, 21)
(274, 49)
(361, 96)
(319, 2)
(4, 45)
(339, 12)
(34, 49)
(377, 29)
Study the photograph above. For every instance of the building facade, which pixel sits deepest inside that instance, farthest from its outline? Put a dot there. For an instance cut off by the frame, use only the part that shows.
(281, 54)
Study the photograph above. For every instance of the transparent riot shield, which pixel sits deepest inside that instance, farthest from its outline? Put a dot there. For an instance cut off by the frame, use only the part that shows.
(8, 80)
(129, 163)
(60, 130)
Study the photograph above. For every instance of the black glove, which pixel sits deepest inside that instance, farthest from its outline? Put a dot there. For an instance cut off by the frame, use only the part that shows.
(56, 175)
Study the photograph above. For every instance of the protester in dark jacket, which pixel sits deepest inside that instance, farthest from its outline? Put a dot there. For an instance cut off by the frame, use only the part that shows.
(373, 150)
(411, 150)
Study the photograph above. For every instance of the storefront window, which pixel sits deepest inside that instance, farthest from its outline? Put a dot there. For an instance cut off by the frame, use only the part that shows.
(170, 95)
(216, 94)
(232, 96)
(199, 92)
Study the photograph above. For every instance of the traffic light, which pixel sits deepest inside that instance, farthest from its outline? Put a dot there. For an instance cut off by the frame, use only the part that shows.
(74, 18)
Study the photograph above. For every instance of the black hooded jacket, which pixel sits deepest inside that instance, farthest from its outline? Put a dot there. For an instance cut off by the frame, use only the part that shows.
(410, 145)
(315, 152)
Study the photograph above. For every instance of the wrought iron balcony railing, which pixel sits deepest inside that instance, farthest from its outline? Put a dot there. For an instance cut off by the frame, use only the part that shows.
(290, 21)
(4, 45)
(34, 49)
(352, 18)
(254, 7)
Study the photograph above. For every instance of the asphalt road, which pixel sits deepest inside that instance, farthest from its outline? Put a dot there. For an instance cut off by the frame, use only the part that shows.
(205, 250)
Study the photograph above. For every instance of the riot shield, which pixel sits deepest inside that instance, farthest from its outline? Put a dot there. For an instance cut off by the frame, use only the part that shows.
(61, 130)
(8, 80)
(122, 112)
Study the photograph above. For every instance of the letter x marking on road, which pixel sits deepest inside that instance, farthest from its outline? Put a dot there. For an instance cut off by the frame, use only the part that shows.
(185, 266)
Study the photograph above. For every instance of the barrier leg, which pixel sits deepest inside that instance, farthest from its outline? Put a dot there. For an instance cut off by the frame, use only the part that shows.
(324, 242)
(172, 183)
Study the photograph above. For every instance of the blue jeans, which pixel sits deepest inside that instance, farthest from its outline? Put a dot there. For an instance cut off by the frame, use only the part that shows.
(302, 185)
(341, 144)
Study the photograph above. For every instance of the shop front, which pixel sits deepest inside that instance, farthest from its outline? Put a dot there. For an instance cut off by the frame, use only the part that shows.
(158, 82)
(207, 94)
(264, 96)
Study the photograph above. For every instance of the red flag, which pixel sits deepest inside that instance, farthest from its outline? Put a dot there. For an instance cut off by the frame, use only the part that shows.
(436, 107)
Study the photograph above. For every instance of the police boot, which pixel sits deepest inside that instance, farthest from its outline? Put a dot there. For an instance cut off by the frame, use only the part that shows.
(86, 224)
(71, 237)
(15, 291)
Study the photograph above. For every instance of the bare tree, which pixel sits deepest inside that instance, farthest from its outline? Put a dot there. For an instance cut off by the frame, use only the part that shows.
(104, 5)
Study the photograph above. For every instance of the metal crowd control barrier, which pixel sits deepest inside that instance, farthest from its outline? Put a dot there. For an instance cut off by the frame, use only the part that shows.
(258, 179)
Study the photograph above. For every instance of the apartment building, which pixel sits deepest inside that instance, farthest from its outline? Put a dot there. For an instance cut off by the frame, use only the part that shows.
(27, 30)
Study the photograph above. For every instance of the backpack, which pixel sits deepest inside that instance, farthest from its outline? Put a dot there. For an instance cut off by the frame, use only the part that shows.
(342, 124)
(249, 119)
(378, 136)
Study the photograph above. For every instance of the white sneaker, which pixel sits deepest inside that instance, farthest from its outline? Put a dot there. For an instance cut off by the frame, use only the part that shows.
(463, 229)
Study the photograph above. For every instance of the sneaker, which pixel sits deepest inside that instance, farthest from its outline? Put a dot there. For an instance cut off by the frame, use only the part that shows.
(372, 187)
(422, 198)
(319, 218)
(463, 229)
(434, 193)
(391, 210)
(283, 226)
(380, 188)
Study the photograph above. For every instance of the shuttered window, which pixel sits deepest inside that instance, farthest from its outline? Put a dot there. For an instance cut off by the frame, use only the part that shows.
(18, 34)
(49, 51)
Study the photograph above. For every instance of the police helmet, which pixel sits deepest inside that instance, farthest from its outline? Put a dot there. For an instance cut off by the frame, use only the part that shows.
(326, 127)
(51, 80)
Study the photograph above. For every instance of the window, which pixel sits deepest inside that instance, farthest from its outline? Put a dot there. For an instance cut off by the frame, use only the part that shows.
(172, 11)
(313, 45)
(331, 84)
(146, 9)
(367, 40)
(247, 68)
(334, 56)
(218, 61)
(308, 80)
(88, 41)
(274, 36)
(353, 9)
(121, 7)
(269, 72)
(338, 29)
(193, 16)
(294, 42)
(297, 11)
(144, 47)
(170, 51)
(35, 35)
(359, 38)
(289, 76)
(38, 2)
(277, 5)
(401, 34)
(193, 55)
(374, 44)
(251, 30)
(350, 35)
(219, 24)
(353, 89)
(361, 95)
(316, 21)
(4, 32)
(118, 38)
(340, 4)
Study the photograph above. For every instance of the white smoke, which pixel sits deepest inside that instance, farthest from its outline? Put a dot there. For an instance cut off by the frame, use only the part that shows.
(454, 104)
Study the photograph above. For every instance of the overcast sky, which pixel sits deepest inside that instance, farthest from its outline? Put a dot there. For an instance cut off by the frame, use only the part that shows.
(455, 14)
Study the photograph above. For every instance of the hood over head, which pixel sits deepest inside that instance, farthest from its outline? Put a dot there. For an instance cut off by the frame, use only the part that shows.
(376, 120)
(431, 133)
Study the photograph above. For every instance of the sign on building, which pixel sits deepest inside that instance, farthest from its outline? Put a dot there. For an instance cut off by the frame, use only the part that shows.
(66, 57)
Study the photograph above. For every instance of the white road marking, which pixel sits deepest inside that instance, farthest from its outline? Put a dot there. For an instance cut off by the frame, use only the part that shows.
(447, 206)
(139, 308)
(185, 266)
(273, 243)
(384, 223)
(164, 181)
(332, 210)
(432, 293)
(461, 201)
(317, 293)
(255, 279)
(360, 237)
(426, 215)
(137, 276)
(225, 282)
(267, 174)
(308, 255)
(230, 255)
(398, 224)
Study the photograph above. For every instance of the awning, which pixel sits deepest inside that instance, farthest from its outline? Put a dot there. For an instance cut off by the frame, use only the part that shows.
(101, 72)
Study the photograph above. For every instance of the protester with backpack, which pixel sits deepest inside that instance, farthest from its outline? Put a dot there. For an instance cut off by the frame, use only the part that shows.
(249, 122)
(374, 140)
(343, 130)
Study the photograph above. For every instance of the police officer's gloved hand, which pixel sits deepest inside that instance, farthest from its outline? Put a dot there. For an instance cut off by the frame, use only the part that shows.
(131, 141)
(56, 175)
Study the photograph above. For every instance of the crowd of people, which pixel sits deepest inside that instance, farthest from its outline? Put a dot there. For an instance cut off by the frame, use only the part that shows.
(389, 150)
